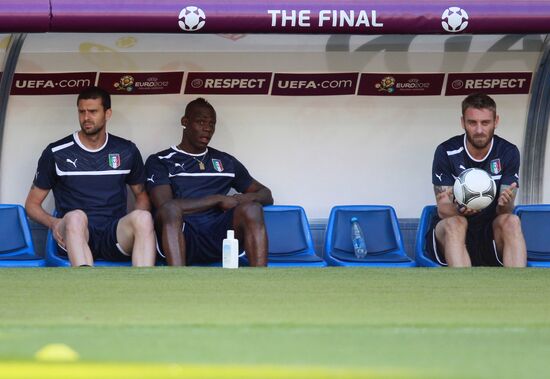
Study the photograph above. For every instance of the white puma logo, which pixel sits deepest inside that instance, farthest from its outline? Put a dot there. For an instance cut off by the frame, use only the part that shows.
(462, 167)
(180, 165)
(72, 162)
(439, 176)
(151, 179)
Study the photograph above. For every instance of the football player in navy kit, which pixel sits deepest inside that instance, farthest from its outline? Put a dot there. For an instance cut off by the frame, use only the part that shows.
(463, 237)
(88, 172)
(189, 185)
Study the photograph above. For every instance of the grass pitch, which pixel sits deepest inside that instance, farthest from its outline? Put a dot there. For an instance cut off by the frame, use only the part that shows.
(277, 323)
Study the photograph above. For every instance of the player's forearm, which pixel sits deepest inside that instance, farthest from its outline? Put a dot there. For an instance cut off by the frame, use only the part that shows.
(446, 210)
(445, 205)
(265, 197)
(503, 209)
(142, 199)
(506, 199)
(188, 206)
(38, 214)
(143, 203)
(262, 196)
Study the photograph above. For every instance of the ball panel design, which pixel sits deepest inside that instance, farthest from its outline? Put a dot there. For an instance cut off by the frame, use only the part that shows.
(475, 189)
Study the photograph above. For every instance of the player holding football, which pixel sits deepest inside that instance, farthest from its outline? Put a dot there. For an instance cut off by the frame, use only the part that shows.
(88, 172)
(460, 236)
(189, 183)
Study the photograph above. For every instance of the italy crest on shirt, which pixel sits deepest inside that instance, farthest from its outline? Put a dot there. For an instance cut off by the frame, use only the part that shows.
(495, 166)
(114, 160)
(217, 165)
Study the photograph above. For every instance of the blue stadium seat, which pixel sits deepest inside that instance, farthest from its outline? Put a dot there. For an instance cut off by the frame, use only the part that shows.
(16, 246)
(383, 238)
(290, 240)
(535, 223)
(421, 257)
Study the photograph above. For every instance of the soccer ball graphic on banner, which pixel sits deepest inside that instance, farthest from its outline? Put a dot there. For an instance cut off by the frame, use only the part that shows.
(475, 189)
(454, 19)
(191, 19)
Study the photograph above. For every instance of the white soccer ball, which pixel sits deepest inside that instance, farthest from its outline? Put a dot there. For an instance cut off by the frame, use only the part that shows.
(191, 19)
(475, 189)
(454, 19)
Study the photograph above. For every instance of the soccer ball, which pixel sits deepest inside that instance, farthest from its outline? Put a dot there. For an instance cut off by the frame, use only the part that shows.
(454, 19)
(475, 189)
(191, 19)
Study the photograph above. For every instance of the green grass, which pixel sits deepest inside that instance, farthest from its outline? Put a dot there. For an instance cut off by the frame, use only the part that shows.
(470, 323)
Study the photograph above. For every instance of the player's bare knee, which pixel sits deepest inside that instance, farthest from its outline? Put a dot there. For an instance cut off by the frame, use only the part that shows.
(456, 225)
(509, 224)
(168, 213)
(251, 211)
(75, 221)
(141, 221)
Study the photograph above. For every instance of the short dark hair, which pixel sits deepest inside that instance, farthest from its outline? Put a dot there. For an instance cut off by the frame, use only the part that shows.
(198, 102)
(479, 101)
(96, 93)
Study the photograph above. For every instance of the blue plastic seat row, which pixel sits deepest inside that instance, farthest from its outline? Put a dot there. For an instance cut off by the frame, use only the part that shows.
(289, 235)
(291, 242)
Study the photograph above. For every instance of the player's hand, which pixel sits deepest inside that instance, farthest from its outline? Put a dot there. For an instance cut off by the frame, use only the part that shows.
(507, 196)
(244, 197)
(57, 232)
(464, 210)
(227, 202)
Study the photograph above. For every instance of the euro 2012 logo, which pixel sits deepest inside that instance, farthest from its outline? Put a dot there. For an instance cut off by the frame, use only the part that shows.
(126, 83)
(386, 84)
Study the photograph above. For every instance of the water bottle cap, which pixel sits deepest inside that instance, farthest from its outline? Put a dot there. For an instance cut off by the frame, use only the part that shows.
(230, 234)
(353, 219)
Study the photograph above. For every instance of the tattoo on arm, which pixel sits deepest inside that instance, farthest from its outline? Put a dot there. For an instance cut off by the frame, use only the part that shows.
(440, 189)
(443, 193)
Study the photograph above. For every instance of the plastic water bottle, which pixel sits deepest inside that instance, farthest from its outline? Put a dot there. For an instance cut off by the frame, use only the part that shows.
(358, 239)
(230, 251)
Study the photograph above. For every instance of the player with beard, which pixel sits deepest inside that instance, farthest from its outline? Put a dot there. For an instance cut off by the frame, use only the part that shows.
(88, 172)
(189, 184)
(460, 236)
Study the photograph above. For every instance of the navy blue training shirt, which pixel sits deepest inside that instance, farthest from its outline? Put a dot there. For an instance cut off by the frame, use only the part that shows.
(501, 162)
(91, 180)
(182, 171)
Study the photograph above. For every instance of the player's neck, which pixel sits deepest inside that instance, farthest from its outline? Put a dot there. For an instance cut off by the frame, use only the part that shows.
(477, 153)
(94, 141)
(189, 148)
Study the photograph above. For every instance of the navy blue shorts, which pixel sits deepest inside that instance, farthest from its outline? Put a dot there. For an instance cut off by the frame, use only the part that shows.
(203, 241)
(103, 243)
(479, 243)
(204, 238)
